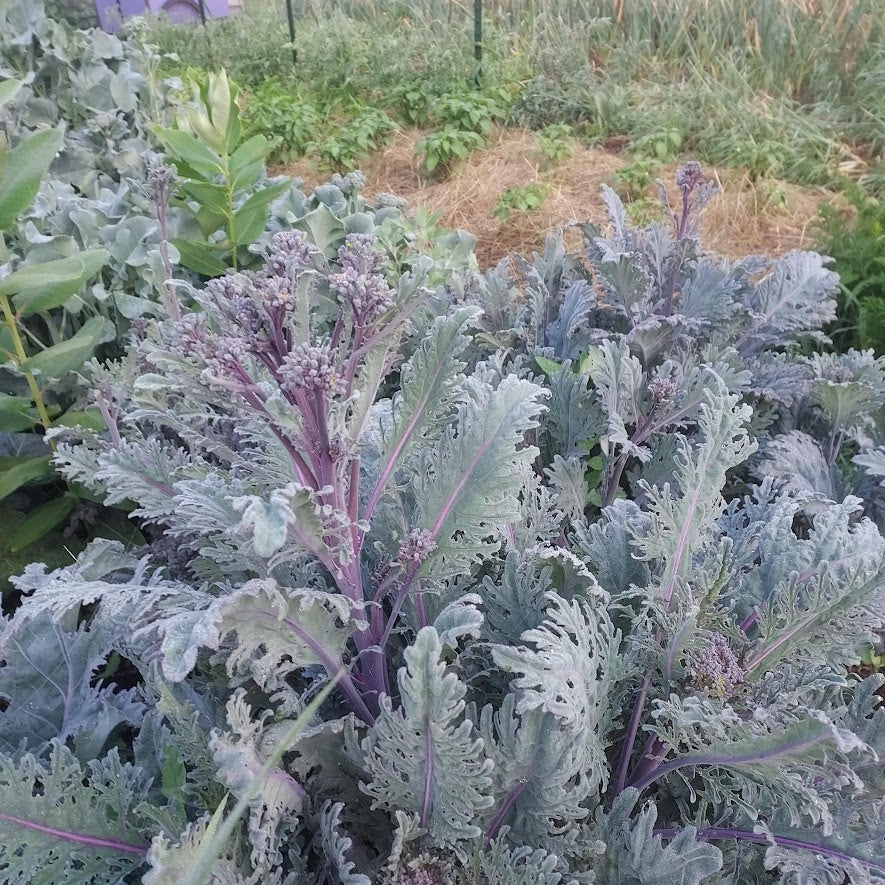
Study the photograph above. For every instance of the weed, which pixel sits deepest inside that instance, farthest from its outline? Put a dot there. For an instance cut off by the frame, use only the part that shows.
(524, 198)
(555, 143)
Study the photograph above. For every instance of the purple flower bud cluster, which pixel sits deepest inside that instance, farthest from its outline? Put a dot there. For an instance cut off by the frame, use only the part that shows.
(388, 201)
(248, 318)
(274, 291)
(349, 184)
(662, 390)
(368, 294)
(416, 547)
(424, 870)
(190, 338)
(360, 255)
(160, 179)
(227, 288)
(716, 669)
(287, 248)
(310, 367)
(841, 375)
(225, 354)
(689, 176)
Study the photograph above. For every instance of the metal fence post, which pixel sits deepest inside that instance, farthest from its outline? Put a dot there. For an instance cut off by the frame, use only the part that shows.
(291, 15)
(477, 37)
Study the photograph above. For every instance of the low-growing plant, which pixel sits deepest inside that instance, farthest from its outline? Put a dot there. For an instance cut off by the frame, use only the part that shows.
(556, 143)
(441, 149)
(662, 146)
(524, 198)
(470, 111)
(635, 178)
(761, 159)
(343, 146)
(363, 481)
(277, 112)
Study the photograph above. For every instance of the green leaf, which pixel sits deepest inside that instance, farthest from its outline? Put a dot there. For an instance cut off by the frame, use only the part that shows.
(190, 150)
(26, 471)
(210, 196)
(41, 521)
(210, 221)
(248, 225)
(547, 366)
(90, 418)
(16, 413)
(263, 198)
(67, 355)
(251, 151)
(247, 176)
(200, 257)
(26, 164)
(8, 90)
(45, 286)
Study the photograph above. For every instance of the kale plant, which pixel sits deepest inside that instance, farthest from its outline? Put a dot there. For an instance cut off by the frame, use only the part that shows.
(631, 326)
(349, 485)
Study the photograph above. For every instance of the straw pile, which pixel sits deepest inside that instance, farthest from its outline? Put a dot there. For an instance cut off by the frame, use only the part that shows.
(742, 220)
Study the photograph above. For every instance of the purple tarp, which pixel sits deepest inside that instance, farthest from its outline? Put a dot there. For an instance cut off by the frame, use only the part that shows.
(112, 12)
(189, 10)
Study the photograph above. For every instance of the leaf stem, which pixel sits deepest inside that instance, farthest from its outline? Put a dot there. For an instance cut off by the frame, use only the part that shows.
(69, 836)
(709, 833)
(21, 354)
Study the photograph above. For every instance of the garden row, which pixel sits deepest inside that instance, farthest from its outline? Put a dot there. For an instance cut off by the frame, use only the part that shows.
(381, 569)
(780, 90)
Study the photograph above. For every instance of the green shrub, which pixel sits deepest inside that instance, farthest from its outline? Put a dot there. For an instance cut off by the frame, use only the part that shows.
(342, 146)
(278, 112)
(858, 249)
(443, 148)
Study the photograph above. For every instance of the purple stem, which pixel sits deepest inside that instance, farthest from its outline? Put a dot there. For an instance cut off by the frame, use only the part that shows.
(750, 620)
(655, 751)
(398, 449)
(659, 771)
(501, 814)
(422, 612)
(398, 604)
(708, 833)
(109, 419)
(428, 774)
(171, 295)
(630, 737)
(80, 838)
(345, 683)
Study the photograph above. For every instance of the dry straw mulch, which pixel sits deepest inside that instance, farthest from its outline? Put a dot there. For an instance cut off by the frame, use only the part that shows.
(741, 220)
